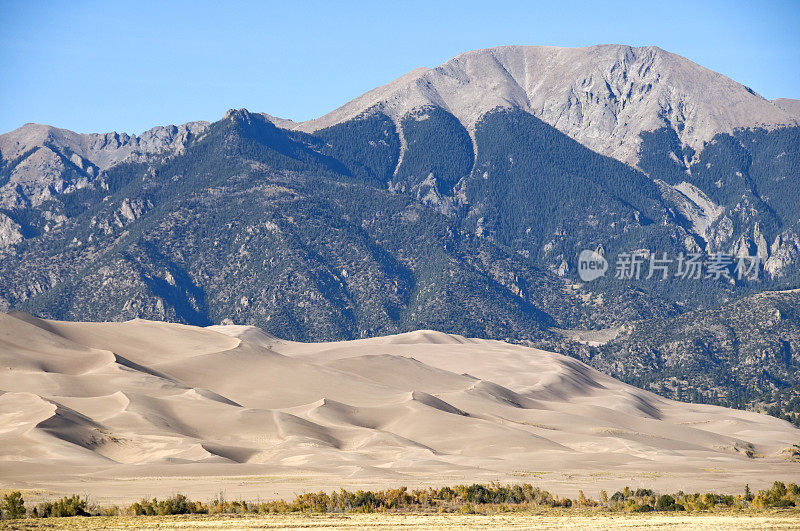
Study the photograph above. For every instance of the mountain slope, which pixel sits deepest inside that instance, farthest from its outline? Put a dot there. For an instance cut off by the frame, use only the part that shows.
(602, 96)
(789, 105)
(253, 224)
(444, 233)
(744, 353)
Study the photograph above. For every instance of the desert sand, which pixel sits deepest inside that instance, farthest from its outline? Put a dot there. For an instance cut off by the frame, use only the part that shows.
(118, 411)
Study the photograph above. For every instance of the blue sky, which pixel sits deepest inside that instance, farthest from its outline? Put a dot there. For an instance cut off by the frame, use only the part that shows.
(128, 66)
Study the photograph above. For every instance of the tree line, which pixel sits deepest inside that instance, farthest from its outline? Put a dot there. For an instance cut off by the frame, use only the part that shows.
(475, 498)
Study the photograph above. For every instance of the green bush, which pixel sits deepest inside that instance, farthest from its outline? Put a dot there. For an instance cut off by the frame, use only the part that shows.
(777, 492)
(666, 502)
(67, 506)
(783, 503)
(178, 504)
(13, 505)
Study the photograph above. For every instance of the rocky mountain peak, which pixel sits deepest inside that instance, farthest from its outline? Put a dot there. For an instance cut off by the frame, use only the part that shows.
(602, 96)
(238, 115)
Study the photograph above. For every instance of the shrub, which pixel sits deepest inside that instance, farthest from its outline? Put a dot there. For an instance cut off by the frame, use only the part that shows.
(783, 503)
(466, 508)
(760, 501)
(777, 492)
(667, 503)
(178, 504)
(66, 506)
(13, 505)
(479, 499)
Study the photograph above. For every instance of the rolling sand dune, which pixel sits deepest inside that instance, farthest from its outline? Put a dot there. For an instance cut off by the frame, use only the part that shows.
(124, 410)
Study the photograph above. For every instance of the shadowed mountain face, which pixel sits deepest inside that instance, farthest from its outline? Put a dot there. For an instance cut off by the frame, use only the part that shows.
(300, 235)
(455, 199)
(356, 231)
(110, 402)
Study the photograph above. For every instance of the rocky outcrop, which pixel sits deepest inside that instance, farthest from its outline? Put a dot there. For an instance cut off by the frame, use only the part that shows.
(784, 252)
(693, 204)
(43, 161)
(102, 150)
(9, 232)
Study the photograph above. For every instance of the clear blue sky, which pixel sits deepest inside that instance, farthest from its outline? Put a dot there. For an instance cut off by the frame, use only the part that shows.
(128, 66)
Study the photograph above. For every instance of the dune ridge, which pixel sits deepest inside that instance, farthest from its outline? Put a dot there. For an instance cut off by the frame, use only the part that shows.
(96, 405)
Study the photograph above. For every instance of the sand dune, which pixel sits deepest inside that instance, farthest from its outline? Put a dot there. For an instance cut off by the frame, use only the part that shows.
(91, 407)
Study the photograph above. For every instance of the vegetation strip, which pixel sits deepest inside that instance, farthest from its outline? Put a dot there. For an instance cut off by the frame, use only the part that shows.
(468, 499)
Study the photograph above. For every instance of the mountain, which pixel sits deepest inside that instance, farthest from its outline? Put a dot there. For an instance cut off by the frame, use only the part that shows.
(744, 353)
(602, 96)
(39, 160)
(96, 405)
(398, 212)
(262, 226)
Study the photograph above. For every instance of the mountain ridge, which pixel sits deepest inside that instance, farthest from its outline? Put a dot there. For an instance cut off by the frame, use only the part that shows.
(583, 92)
(789, 105)
(102, 149)
(529, 73)
(43, 160)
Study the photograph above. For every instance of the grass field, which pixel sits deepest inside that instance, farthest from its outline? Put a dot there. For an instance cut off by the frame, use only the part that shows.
(765, 520)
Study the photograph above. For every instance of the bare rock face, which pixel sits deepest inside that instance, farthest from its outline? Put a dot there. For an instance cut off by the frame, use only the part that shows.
(40, 175)
(9, 232)
(693, 204)
(602, 96)
(45, 161)
(788, 105)
(784, 252)
(100, 149)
